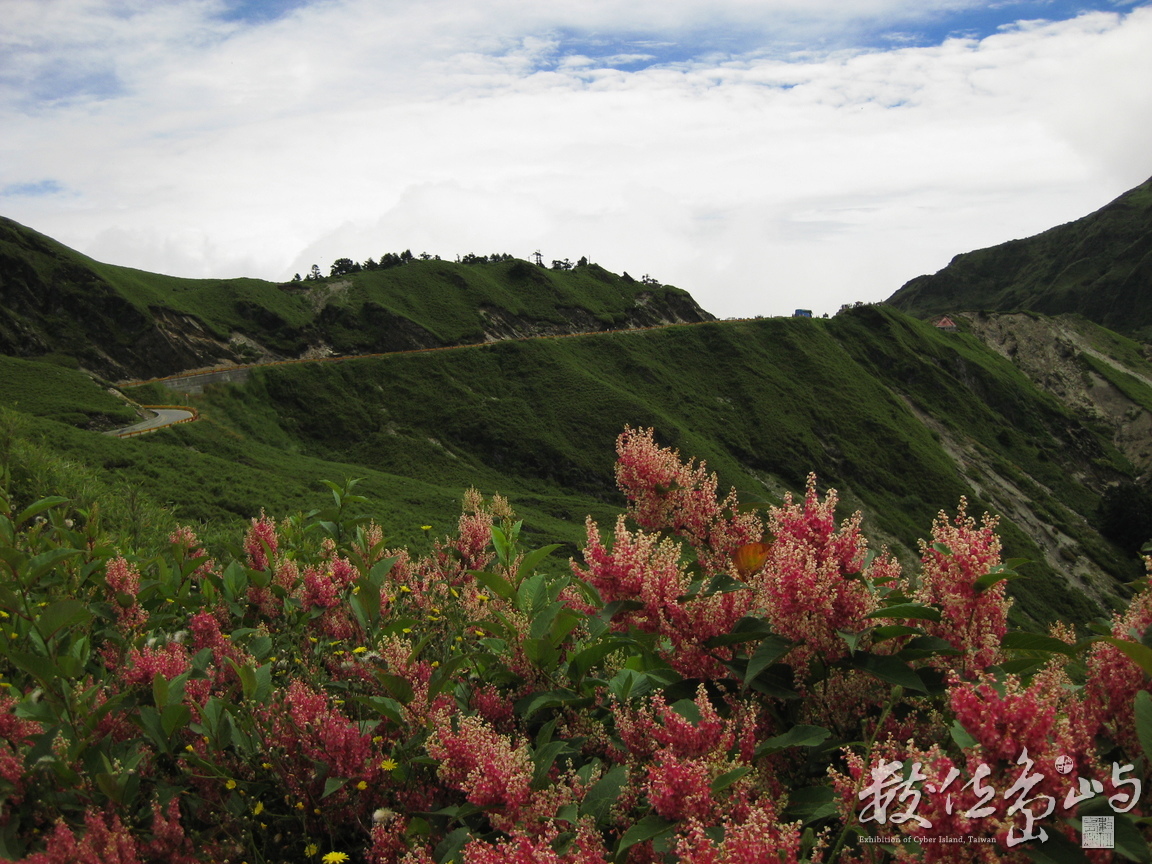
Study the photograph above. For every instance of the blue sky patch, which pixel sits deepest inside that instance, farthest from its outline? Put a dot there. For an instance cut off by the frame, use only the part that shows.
(32, 190)
(981, 21)
(631, 51)
(260, 11)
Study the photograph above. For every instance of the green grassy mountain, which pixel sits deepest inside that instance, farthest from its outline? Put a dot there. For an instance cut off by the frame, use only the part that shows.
(1099, 267)
(901, 417)
(128, 324)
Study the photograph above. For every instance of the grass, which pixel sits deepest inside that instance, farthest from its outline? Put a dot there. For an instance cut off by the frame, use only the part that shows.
(71, 304)
(58, 392)
(763, 402)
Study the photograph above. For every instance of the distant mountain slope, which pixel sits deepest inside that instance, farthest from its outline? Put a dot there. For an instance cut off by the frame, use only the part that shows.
(902, 418)
(1099, 266)
(129, 324)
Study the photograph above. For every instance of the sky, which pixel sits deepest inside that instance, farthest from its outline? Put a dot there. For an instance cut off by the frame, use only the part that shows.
(765, 155)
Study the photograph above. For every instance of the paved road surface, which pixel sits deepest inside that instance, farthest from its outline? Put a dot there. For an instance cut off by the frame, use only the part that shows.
(164, 417)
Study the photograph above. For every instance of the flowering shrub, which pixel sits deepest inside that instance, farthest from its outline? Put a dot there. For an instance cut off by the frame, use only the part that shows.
(706, 685)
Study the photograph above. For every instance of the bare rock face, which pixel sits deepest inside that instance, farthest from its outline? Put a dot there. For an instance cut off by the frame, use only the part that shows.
(1057, 354)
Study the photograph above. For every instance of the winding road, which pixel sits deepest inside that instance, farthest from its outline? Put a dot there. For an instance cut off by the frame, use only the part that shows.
(166, 415)
(193, 382)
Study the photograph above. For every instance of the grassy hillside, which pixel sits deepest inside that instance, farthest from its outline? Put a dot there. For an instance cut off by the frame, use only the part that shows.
(902, 418)
(1099, 266)
(764, 402)
(52, 387)
(126, 323)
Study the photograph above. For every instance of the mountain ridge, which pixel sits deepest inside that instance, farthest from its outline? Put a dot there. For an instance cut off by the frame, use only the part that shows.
(129, 324)
(1098, 266)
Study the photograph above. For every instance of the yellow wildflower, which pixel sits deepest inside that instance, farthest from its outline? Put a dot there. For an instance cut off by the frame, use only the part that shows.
(404, 589)
(388, 765)
(360, 649)
(231, 784)
(335, 858)
(311, 849)
(361, 785)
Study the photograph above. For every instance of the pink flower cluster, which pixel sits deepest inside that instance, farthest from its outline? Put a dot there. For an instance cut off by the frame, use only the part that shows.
(973, 619)
(486, 766)
(666, 494)
(813, 585)
(123, 581)
(261, 542)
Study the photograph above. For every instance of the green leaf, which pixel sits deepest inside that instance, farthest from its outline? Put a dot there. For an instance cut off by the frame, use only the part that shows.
(1139, 654)
(890, 669)
(648, 828)
(628, 683)
(616, 607)
(174, 717)
(688, 709)
(1129, 841)
(532, 560)
(769, 651)
(235, 580)
(722, 583)
(39, 507)
(962, 736)
(927, 646)
(63, 614)
(797, 736)
(45, 561)
(496, 583)
(603, 795)
(727, 779)
(989, 579)
(914, 611)
(747, 629)
(448, 850)
(1143, 712)
(442, 677)
(542, 761)
(1023, 641)
(41, 668)
(1057, 849)
(810, 803)
(569, 813)
(501, 544)
(579, 665)
(397, 686)
(381, 569)
(388, 708)
(529, 705)
(333, 784)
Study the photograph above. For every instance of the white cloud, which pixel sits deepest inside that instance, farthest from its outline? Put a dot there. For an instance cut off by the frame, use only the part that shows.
(354, 128)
